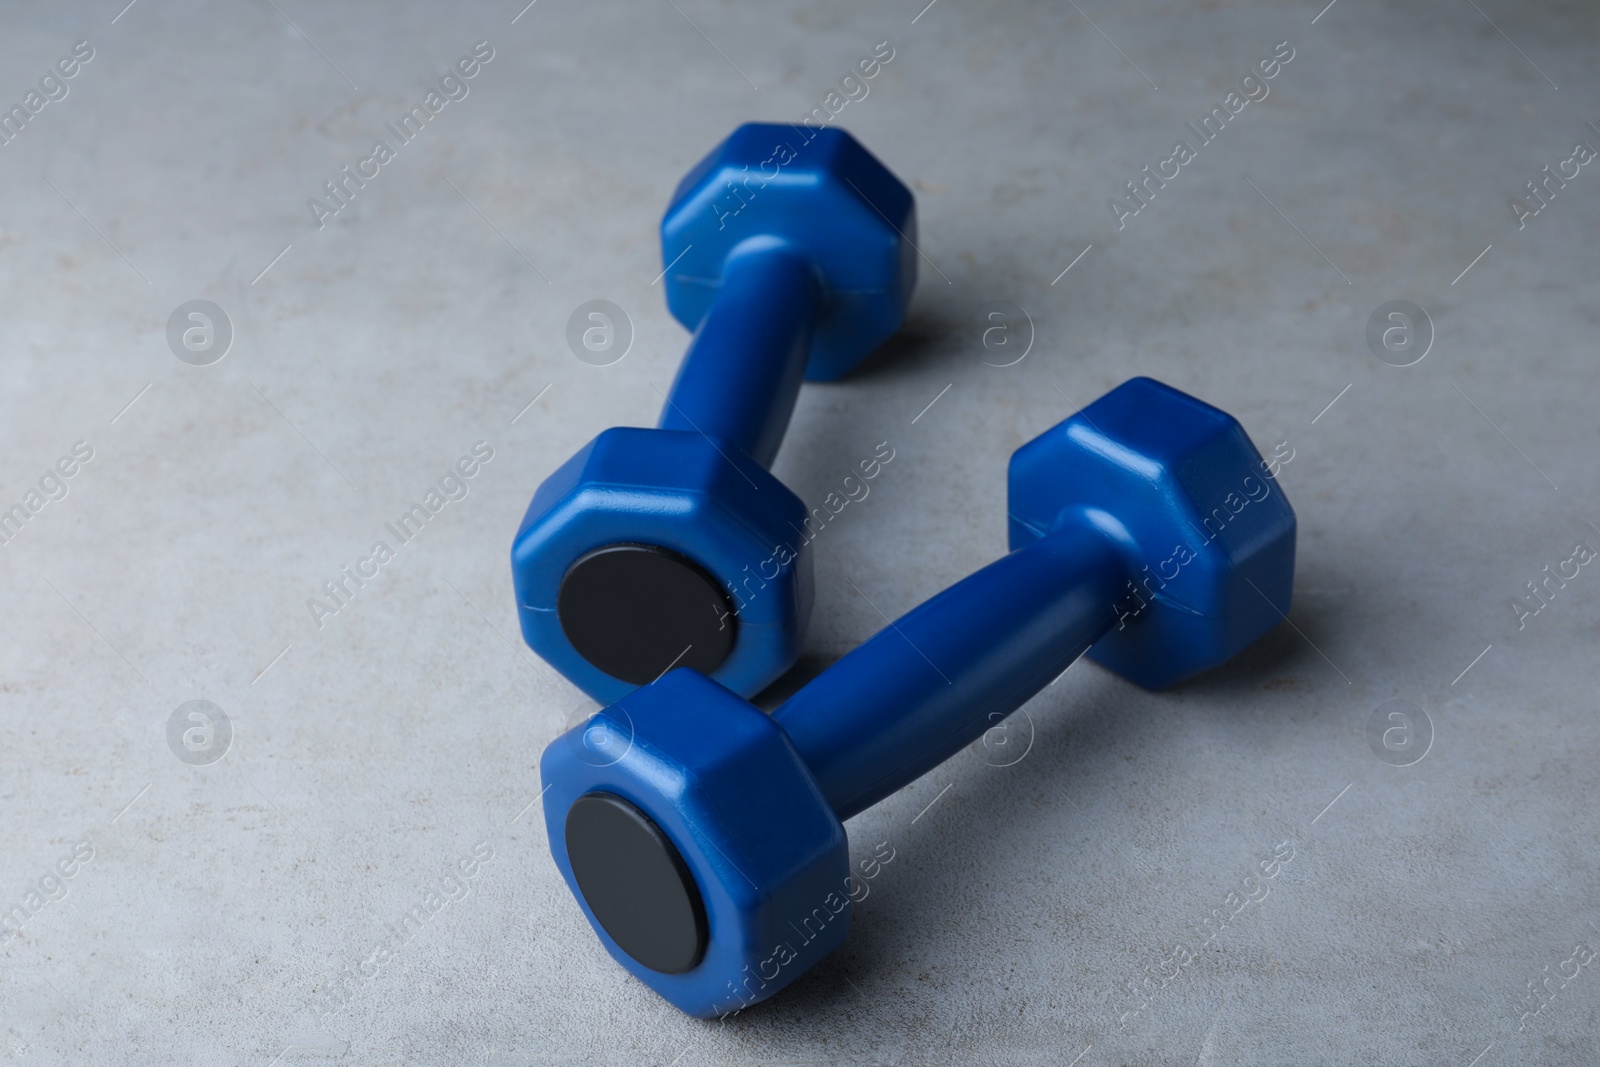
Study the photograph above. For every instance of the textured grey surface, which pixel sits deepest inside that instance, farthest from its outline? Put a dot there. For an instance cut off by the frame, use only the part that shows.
(1026, 904)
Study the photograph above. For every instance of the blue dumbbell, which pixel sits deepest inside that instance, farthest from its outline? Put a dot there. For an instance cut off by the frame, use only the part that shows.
(703, 839)
(789, 251)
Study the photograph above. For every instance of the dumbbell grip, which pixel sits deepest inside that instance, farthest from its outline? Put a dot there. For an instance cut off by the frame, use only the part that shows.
(941, 675)
(742, 373)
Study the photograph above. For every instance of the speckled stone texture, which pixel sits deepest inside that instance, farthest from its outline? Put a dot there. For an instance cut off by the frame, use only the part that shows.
(1253, 868)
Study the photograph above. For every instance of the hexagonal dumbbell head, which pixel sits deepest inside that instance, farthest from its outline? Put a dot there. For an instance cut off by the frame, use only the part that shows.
(825, 196)
(1206, 529)
(697, 844)
(662, 513)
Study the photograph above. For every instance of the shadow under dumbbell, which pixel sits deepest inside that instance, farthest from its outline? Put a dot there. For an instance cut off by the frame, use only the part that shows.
(1078, 731)
(792, 681)
(921, 334)
(968, 335)
(913, 901)
(1281, 654)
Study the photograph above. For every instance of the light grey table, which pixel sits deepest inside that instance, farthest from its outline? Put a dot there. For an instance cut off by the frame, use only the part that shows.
(374, 758)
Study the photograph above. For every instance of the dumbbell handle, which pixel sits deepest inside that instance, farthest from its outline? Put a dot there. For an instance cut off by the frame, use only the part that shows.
(742, 373)
(941, 675)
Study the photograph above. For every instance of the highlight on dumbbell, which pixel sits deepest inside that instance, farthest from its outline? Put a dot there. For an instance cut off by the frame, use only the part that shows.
(789, 252)
(703, 839)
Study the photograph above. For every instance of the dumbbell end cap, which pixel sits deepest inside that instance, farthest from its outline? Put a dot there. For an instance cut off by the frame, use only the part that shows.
(633, 610)
(635, 883)
(710, 804)
(637, 548)
(1206, 532)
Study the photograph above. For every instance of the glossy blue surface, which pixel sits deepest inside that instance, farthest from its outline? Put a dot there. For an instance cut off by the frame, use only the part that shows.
(787, 250)
(723, 782)
(830, 201)
(1093, 502)
(919, 691)
(681, 491)
(1206, 534)
(742, 374)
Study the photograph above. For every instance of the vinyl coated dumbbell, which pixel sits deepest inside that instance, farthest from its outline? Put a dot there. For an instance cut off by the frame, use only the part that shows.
(703, 839)
(789, 252)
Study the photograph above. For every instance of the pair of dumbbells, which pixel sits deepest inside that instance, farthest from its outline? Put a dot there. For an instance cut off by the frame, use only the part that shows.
(703, 839)
(789, 252)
